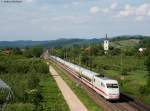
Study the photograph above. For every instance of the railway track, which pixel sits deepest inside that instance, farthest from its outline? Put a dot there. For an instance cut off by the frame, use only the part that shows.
(125, 103)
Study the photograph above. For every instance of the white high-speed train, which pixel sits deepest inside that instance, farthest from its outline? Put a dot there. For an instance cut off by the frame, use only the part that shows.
(104, 86)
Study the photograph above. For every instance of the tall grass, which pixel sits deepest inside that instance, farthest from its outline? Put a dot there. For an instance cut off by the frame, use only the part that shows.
(28, 78)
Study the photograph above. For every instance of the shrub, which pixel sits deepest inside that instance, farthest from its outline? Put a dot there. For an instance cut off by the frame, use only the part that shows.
(35, 51)
(23, 66)
(33, 81)
(20, 107)
(124, 71)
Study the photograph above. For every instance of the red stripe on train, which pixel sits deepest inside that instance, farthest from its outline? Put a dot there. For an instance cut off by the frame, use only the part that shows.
(96, 87)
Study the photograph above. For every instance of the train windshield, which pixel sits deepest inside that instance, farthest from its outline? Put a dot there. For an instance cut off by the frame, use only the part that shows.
(112, 85)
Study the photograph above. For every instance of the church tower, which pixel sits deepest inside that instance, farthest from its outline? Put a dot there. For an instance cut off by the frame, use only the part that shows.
(106, 44)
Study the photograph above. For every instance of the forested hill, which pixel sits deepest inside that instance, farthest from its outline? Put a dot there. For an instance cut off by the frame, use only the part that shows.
(5, 44)
(70, 42)
(127, 40)
(47, 44)
(116, 41)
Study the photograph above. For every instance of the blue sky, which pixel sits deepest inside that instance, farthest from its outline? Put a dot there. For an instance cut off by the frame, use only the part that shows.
(53, 19)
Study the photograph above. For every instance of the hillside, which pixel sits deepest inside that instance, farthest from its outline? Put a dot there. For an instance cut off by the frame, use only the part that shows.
(130, 41)
(125, 43)
(118, 41)
(5, 44)
(48, 44)
(70, 42)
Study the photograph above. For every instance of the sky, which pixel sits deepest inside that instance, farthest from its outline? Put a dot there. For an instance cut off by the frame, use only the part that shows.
(53, 19)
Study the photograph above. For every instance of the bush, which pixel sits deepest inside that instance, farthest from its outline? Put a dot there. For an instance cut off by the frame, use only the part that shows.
(35, 51)
(115, 51)
(23, 66)
(147, 63)
(124, 72)
(144, 90)
(20, 107)
(33, 81)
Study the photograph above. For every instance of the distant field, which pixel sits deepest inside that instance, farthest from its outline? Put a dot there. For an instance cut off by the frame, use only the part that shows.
(123, 63)
(135, 77)
(125, 43)
(136, 73)
(114, 62)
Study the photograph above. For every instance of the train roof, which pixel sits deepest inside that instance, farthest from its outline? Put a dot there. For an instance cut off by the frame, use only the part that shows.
(89, 72)
(107, 80)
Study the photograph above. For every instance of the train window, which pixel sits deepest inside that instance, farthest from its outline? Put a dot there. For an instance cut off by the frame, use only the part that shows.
(102, 84)
(112, 85)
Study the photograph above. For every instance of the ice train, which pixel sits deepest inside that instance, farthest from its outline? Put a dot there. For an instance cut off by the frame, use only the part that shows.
(106, 87)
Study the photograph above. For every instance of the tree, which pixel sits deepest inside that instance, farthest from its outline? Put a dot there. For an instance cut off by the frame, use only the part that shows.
(35, 51)
(147, 63)
(74, 52)
(33, 81)
(115, 51)
(124, 72)
(85, 58)
(17, 51)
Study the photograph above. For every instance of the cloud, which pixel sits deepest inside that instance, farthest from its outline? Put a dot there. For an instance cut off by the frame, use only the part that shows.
(139, 18)
(71, 19)
(143, 9)
(114, 6)
(76, 3)
(29, 1)
(149, 13)
(128, 10)
(97, 9)
(94, 9)
(139, 12)
(105, 10)
(44, 7)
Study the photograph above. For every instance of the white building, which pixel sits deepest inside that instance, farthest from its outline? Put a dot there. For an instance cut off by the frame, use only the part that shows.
(106, 44)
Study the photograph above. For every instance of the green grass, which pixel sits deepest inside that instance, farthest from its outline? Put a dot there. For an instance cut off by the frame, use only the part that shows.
(33, 87)
(136, 72)
(87, 101)
(124, 43)
(53, 99)
(20, 107)
(132, 82)
(114, 62)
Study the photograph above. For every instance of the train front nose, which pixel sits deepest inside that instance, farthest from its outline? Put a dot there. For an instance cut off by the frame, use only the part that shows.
(114, 96)
(114, 93)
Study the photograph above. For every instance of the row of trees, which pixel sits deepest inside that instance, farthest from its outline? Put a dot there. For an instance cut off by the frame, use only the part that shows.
(96, 50)
(85, 54)
(22, 71)
(145, 90)
(23, 66)
(34, 51)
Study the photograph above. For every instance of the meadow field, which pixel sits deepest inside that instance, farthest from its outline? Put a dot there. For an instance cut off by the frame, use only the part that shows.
(33, 87)
(130, 71)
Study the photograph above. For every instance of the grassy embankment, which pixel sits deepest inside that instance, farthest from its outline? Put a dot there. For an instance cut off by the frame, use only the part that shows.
(87, 101)
(134, 78)
(53, 99)
(34, 89)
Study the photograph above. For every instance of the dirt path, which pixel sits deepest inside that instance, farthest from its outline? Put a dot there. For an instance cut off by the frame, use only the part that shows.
(72, 100)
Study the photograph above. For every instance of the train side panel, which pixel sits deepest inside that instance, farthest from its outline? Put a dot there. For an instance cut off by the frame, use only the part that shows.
(91, 79)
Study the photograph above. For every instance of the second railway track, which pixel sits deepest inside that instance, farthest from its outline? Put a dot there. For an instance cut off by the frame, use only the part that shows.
(125, 103)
